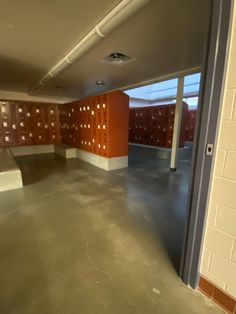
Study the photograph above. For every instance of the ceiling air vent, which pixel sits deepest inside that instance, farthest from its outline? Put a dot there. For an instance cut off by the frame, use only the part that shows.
(117, 59)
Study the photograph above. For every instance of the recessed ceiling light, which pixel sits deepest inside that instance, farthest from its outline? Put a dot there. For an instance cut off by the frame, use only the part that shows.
(100, 83)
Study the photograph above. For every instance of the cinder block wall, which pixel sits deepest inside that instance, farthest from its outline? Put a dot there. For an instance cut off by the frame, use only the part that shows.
(218, 262)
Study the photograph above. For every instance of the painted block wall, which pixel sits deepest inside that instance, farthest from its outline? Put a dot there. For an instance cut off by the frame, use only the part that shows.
(218, 262)
(137, 102)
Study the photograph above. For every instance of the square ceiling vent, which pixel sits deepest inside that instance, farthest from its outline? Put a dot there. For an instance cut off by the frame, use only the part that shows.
(118, 59)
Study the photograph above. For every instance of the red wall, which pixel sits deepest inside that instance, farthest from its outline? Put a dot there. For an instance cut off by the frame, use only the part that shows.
(97, 124)
(190, 125)
(154, 125)
(27, 123)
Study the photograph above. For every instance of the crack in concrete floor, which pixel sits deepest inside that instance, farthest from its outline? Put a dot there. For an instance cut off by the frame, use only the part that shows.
(105, 274)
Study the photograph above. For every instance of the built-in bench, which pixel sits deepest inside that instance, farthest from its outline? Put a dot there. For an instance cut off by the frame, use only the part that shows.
(65, 151)
(60, 149)
(10, 174)
(32, 150)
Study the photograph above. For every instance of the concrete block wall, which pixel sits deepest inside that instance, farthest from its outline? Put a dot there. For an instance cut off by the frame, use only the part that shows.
(218, 262)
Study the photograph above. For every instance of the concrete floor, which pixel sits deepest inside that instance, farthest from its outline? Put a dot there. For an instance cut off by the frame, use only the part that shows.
(77, 239)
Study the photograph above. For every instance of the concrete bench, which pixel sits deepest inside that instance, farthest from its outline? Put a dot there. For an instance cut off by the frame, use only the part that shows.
(10, 174)
(32, 150)
(65, 151)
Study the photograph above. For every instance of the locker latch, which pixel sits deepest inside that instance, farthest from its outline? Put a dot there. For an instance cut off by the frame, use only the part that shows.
(209, 149)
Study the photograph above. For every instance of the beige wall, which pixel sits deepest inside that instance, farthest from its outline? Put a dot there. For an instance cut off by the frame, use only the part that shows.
(10, 95)
(218, 262)
(136, 102)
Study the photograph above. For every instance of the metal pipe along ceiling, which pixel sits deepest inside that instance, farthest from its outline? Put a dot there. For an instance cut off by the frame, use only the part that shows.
(113, 19)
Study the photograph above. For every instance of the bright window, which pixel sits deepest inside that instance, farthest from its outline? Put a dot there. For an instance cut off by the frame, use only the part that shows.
(165, 91)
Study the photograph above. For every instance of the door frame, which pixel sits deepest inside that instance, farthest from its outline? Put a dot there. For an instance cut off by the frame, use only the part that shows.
(206, 132)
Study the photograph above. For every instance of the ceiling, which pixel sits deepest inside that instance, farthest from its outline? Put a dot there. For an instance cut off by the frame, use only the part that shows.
(165, 36)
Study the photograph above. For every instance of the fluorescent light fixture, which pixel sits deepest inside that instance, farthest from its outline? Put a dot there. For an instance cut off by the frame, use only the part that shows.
(114, 18)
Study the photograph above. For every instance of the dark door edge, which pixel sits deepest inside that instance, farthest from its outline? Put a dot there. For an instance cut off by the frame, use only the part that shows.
(206, 128)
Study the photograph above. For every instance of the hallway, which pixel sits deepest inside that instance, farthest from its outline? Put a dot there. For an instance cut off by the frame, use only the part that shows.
(77, 239)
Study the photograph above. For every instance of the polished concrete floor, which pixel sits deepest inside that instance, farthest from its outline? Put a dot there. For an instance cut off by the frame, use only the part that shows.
(77, 239)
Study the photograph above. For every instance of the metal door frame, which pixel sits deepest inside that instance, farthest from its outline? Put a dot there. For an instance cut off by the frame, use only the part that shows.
(206, 132)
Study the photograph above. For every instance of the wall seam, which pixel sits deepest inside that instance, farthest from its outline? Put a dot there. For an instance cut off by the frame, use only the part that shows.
(232, 251)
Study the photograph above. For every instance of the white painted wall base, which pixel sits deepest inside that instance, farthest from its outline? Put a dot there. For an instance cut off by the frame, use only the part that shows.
(32, 150)
(107, 164)
(10, 174)
(65, 151)
(93, 159)
(159, 152)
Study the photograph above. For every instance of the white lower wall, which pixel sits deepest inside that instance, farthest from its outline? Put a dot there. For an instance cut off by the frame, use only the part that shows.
(32, 150)
(65, 151)
(116, 163)
(10, 174)
(105, 163)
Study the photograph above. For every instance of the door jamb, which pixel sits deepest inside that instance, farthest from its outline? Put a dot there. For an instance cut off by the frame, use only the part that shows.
(206, 128)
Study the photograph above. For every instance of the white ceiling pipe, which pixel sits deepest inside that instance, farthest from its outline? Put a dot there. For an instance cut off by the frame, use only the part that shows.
(114, 18)
(44, 79)
(60, 66)
(119, 14)
(84, 45)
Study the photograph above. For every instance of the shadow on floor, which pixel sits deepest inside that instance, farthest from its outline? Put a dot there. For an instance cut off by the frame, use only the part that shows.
(165, 194)
(37, 168)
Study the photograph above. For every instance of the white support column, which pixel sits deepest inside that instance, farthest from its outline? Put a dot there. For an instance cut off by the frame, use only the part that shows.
(177, 123)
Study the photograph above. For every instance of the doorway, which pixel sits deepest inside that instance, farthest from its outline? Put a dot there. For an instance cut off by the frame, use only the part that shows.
(206, 118)
(151, 126)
